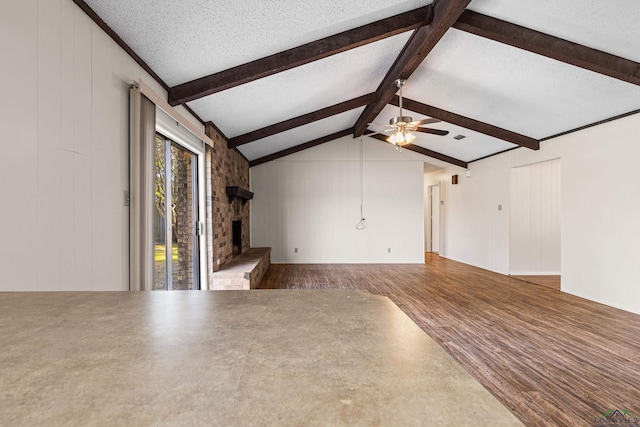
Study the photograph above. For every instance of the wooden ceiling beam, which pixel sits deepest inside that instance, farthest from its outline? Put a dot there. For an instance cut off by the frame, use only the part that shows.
(421, 150)
(549, 46)
(301, 120)
(300, 55)
(300, 147)
(436, 155)
(422, 41)
(467, 123)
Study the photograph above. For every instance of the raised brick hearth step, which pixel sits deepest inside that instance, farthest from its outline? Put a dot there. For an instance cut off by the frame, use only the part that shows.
(244, 271)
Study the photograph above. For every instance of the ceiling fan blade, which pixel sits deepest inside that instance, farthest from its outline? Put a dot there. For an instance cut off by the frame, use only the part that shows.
(433, 131)
(380, 131)
(425, 122)
(373, 133)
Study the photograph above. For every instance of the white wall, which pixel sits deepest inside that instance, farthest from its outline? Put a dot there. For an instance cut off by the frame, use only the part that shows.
(535, 219)
(600, 213)
(311, 201)
(64, 149)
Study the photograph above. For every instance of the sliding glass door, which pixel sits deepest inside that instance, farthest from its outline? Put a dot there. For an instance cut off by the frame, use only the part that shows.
(176, 221)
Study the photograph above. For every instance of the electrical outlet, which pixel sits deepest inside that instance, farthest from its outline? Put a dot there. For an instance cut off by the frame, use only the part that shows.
(388, 250)
(499, 207)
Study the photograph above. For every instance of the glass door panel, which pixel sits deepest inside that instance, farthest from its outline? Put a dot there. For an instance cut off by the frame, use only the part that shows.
(175, 218)
(184, 258)
(159, 218)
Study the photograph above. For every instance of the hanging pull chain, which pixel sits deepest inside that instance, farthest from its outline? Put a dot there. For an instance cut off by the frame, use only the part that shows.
(362, 224)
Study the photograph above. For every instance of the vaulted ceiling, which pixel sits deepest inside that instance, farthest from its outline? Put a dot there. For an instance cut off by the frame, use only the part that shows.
(280, 76)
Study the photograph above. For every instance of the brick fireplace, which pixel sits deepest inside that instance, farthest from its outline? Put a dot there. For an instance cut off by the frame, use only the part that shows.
(225, 167)
(236, 237)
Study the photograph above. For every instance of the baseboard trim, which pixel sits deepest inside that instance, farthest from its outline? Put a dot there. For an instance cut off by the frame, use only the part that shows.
(534, 273)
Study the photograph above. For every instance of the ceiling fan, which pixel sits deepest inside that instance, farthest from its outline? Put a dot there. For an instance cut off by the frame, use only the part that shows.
(402, 126)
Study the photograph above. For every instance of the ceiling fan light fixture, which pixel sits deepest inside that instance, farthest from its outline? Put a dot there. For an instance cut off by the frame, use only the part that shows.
(400, 121)
(401, 138)
(401, 126)
(409, 138)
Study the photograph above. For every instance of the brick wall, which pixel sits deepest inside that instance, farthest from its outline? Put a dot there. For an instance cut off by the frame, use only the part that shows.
(182, 270)
(226, 168)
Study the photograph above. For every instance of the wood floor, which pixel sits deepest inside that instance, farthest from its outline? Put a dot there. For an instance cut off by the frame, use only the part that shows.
(551, 358)
(552, 282)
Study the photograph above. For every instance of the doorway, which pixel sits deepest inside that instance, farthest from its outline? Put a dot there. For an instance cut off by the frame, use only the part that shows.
(176, 217)
(434, 198)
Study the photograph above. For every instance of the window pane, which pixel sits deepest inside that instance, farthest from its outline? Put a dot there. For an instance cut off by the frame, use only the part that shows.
(183, 216)
(159, 223)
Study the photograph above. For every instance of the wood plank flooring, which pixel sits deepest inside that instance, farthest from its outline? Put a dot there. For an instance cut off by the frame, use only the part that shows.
(550, 357)
(552, 282)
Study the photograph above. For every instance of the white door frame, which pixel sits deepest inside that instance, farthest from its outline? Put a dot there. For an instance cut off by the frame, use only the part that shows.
(167, 126)
(434, 219)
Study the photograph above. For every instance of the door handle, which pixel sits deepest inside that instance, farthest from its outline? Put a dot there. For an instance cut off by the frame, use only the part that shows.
(198, 228)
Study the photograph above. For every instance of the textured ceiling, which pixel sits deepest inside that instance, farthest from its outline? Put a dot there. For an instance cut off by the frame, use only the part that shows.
(514, 89)
(492, 83)
(300, 90)
(184, 40)
(299, 135)
(610, 26)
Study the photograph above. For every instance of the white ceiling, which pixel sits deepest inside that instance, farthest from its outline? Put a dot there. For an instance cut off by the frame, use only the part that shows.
(514, 89)
(300, 90)
(610, 26)
(302, 134)
(187, 39)
(464, 74)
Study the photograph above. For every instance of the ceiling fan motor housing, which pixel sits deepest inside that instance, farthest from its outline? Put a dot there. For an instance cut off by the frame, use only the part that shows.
(400, 120)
